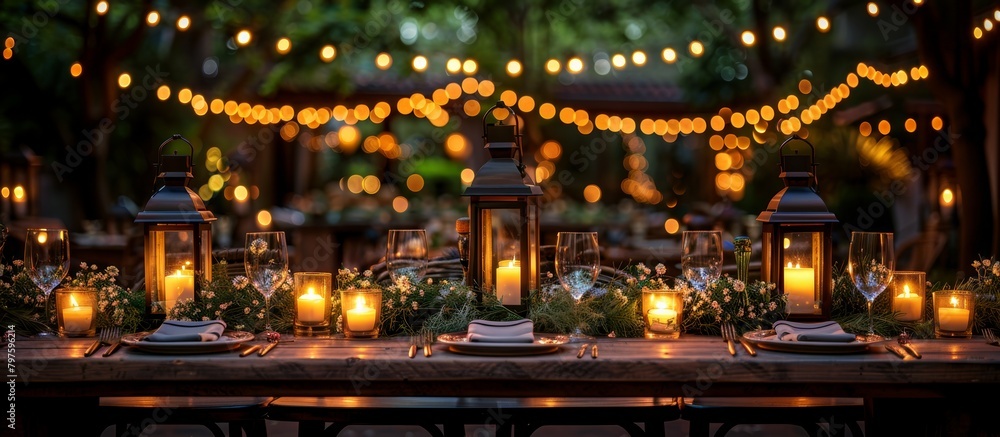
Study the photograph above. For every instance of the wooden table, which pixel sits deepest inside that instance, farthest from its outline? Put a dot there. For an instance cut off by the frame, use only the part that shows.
(943, 384)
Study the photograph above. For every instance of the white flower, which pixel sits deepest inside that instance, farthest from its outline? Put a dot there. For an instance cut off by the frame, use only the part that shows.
(976, 264)
(738, 285)
(986, 263)
(661, 269)
(246, 310)
(996, 269)
(430, 281)
(204, 318)
(414, 305)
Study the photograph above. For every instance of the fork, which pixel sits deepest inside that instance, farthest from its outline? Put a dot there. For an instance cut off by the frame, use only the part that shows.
(991, 339)
(733, 335)
(729, 340)
(427, 339)
(115, 341)
(104, 339)
(413, 347)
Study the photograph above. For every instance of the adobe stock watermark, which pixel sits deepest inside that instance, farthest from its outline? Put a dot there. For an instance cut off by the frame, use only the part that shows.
(30, 26)
(380, 20)
(122, 107)
(889, 23)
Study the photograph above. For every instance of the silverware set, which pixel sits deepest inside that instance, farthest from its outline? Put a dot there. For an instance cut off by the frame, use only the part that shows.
(110, 337)
(583, 350)
(732, 337)
(423, 340)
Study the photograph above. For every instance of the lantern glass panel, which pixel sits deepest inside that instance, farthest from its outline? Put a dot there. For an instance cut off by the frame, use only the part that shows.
(176, 267)
(802, 261)
(502, 252)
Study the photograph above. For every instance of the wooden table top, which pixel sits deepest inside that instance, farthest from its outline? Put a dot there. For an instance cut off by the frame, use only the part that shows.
(690, 366)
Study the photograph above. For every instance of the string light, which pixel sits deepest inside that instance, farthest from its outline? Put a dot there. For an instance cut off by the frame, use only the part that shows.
(823, 24)
(552, 66)
(243, 37)
(283, 46)
(153, 18)
(669, 55)
(419, 63)
(183, 23)
(514, 68)
(102, 7)
(778, 33)
(618, 61)
(327, 53)
(470, 67)
(454, 65)
(574, 65)
(872, 9)
(124, 80)
(639, 58)
(748, 38)
(696, 48)
(76, 69)
(8, 47)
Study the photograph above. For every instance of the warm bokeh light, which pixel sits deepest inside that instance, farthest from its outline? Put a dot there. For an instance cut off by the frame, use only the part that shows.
(639, 58)
(264, 218)
(243, 37)
(124, 80)
(671, 225)
(163, 93)
(696, 48)
(937, 123)
(457, 146)
(76, 69)
(669, 55)
(748, 38)
(468, 176)
(454, 65)
(383, 61)
(183, 23)
(592, 193)
(872, 9)
(947, 197)
(618, 61)
(910, 125)
(884, 127)
(514, 68)
(371, 184)
(241, 193)
(574, 65)
(327, 53)
(153, 18)
(779, 33)
(415, 182)
(470, 66)
(823, 24)
(400, 204)
(552, 66)
(102, 7)
(5, 192)
(283, 46)
(419, 63)
(805, 87)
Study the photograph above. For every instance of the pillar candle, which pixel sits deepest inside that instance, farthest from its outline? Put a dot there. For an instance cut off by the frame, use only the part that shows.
(662, 318)
(178, 286)
(509, 282)
(953, 319)
(800, 286)
(361, 317)
(77, 318)
(908, 305)
(310, 307)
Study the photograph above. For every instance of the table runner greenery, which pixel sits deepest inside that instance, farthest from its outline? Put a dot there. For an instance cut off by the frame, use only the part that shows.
(448, 306)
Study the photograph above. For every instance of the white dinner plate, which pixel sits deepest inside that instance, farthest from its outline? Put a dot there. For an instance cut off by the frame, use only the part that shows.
(768, 339)
(544, 343)
(228, 341)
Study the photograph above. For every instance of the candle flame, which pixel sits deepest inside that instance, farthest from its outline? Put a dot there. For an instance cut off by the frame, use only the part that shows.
(789, 264)
(906, 290)
(954, 301)
(359, 303)
(311, 290)
(661, 305)
(43, 237)
(72, 301)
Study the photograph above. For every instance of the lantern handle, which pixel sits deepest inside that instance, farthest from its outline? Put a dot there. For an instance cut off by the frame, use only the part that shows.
(812, 156)
(159, 152)
(517, 128)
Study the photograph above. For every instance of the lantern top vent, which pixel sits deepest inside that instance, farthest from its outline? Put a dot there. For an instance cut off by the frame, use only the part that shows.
(798, 202)
(504, 173)
(173, 201)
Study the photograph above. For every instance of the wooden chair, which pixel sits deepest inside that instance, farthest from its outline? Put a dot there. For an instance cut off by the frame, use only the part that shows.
(449, 416)
(810, 414)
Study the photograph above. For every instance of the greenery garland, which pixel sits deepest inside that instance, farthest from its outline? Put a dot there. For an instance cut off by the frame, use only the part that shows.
(446, 306)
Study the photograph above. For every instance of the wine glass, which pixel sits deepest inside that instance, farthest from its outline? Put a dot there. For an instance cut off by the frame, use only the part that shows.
(701, 259)
(578, 262)
(406, 254)
(870, 264)
(266, 261)
(46, 259)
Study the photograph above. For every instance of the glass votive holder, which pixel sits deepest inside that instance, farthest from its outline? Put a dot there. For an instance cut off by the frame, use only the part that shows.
(908, 291)
(312, 303)
(76, 311)
(954, 311)
(361, 312)
(661, 313)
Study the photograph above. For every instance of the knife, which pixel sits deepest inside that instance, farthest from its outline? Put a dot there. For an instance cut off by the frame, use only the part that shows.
(583, 349)
(911, 350)
(746, 345)
(896, 351)
(111, 349)
(250, 350)
(268, 348)
(93, 348)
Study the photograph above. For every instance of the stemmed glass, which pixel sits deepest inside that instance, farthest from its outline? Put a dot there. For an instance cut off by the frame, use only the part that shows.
(701, 259)
(406, 254)
(266, 261)
(870, 263)
(578, 262)
(46, 258)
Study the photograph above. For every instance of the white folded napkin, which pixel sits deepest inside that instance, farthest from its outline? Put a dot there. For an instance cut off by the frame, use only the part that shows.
(179, 330)
(517, 331)
(815, 331)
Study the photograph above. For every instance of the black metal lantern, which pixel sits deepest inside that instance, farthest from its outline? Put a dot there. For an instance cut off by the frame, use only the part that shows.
(503, 218)
(797, 246)
(178, 235)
